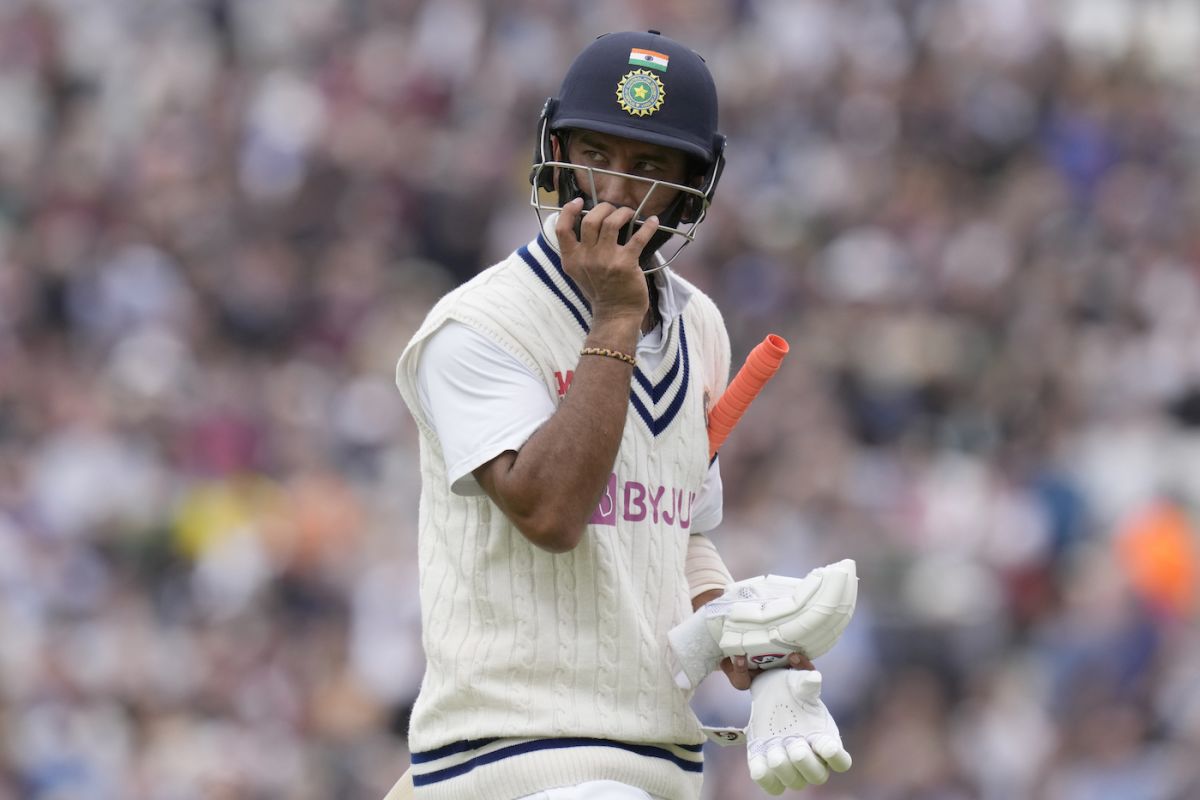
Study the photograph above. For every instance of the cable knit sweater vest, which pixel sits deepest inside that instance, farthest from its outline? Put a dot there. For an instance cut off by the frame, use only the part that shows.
(547, 670)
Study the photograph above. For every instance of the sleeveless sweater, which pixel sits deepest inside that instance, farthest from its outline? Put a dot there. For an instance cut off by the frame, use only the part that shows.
(549, 669)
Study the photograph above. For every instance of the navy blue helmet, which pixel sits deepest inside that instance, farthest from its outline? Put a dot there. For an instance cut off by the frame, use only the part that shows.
(646, 87)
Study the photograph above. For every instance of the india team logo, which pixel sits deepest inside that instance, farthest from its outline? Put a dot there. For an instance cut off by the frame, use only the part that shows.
(640, 92)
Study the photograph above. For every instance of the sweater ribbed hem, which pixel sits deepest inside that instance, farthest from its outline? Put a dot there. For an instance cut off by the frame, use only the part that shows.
(507, 769)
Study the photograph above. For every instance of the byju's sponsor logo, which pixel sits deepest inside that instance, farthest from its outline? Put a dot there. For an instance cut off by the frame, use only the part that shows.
(634, 501)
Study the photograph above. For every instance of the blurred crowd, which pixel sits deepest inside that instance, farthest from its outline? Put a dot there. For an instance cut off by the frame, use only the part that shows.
(974, 221)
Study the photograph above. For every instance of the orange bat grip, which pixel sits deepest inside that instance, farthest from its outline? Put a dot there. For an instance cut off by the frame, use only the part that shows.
(761, 365)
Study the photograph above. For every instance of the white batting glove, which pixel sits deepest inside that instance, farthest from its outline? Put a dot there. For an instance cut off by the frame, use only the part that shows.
(792, 741)
(766, 619)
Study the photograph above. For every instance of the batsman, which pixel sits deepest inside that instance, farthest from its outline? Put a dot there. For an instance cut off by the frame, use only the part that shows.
(571, 600)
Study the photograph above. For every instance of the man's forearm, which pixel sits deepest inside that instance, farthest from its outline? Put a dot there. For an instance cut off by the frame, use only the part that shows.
(704, 597)
(550, 487)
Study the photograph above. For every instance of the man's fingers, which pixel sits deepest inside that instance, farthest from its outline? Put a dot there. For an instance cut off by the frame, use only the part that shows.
(641, 237)
(564, 226)
(737, 669)
(593, 221)
(806, 763)
(614, 223)
(800, 661)
(604, 224)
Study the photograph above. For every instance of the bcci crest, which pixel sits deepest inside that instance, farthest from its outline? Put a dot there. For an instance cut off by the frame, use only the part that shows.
(641, 93)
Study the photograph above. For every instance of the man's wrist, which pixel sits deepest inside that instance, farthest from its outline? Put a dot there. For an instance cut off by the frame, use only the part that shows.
(614, 332)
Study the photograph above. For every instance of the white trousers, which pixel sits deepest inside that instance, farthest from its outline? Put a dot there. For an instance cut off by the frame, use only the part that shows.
(593, 790)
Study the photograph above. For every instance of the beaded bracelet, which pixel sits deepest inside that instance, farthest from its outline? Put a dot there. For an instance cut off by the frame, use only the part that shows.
(604, 351)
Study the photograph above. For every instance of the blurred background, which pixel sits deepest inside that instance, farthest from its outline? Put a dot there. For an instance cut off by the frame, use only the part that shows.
(974, 220)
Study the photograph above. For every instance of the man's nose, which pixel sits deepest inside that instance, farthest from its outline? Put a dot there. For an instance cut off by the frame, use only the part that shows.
(619, 191)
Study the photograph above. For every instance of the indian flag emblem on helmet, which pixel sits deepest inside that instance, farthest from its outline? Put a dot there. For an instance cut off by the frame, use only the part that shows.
(640, 57)
(640, 92)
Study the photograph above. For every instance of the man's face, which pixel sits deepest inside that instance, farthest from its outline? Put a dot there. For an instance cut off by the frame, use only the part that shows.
(650, 162)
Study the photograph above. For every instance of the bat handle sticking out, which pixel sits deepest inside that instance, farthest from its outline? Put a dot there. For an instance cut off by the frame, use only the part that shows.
(760, 366)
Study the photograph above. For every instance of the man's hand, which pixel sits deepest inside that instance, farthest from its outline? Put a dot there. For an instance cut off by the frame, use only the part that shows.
(606, 271)
(792, 741)
(741, 673)
(764, 620)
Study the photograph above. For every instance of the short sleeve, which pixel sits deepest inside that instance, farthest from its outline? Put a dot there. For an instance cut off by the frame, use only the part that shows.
(480, 400)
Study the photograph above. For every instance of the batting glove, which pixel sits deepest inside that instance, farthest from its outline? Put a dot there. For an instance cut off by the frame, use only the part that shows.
(766, 619)
(792, 741)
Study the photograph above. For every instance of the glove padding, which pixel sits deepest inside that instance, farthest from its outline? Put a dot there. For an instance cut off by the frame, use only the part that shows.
(792, 741)
(766, 619)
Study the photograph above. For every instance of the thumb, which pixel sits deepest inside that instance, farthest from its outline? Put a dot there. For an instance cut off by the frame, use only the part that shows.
(805, 685)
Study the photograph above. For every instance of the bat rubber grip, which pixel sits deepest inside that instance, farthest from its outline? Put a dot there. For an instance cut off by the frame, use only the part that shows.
(760, 366)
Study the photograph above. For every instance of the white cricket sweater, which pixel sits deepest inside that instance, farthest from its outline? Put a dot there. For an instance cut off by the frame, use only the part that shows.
(544, 669)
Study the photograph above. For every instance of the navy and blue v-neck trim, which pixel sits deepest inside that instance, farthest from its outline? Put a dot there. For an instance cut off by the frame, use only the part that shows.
(548, 268)
(657, 402)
